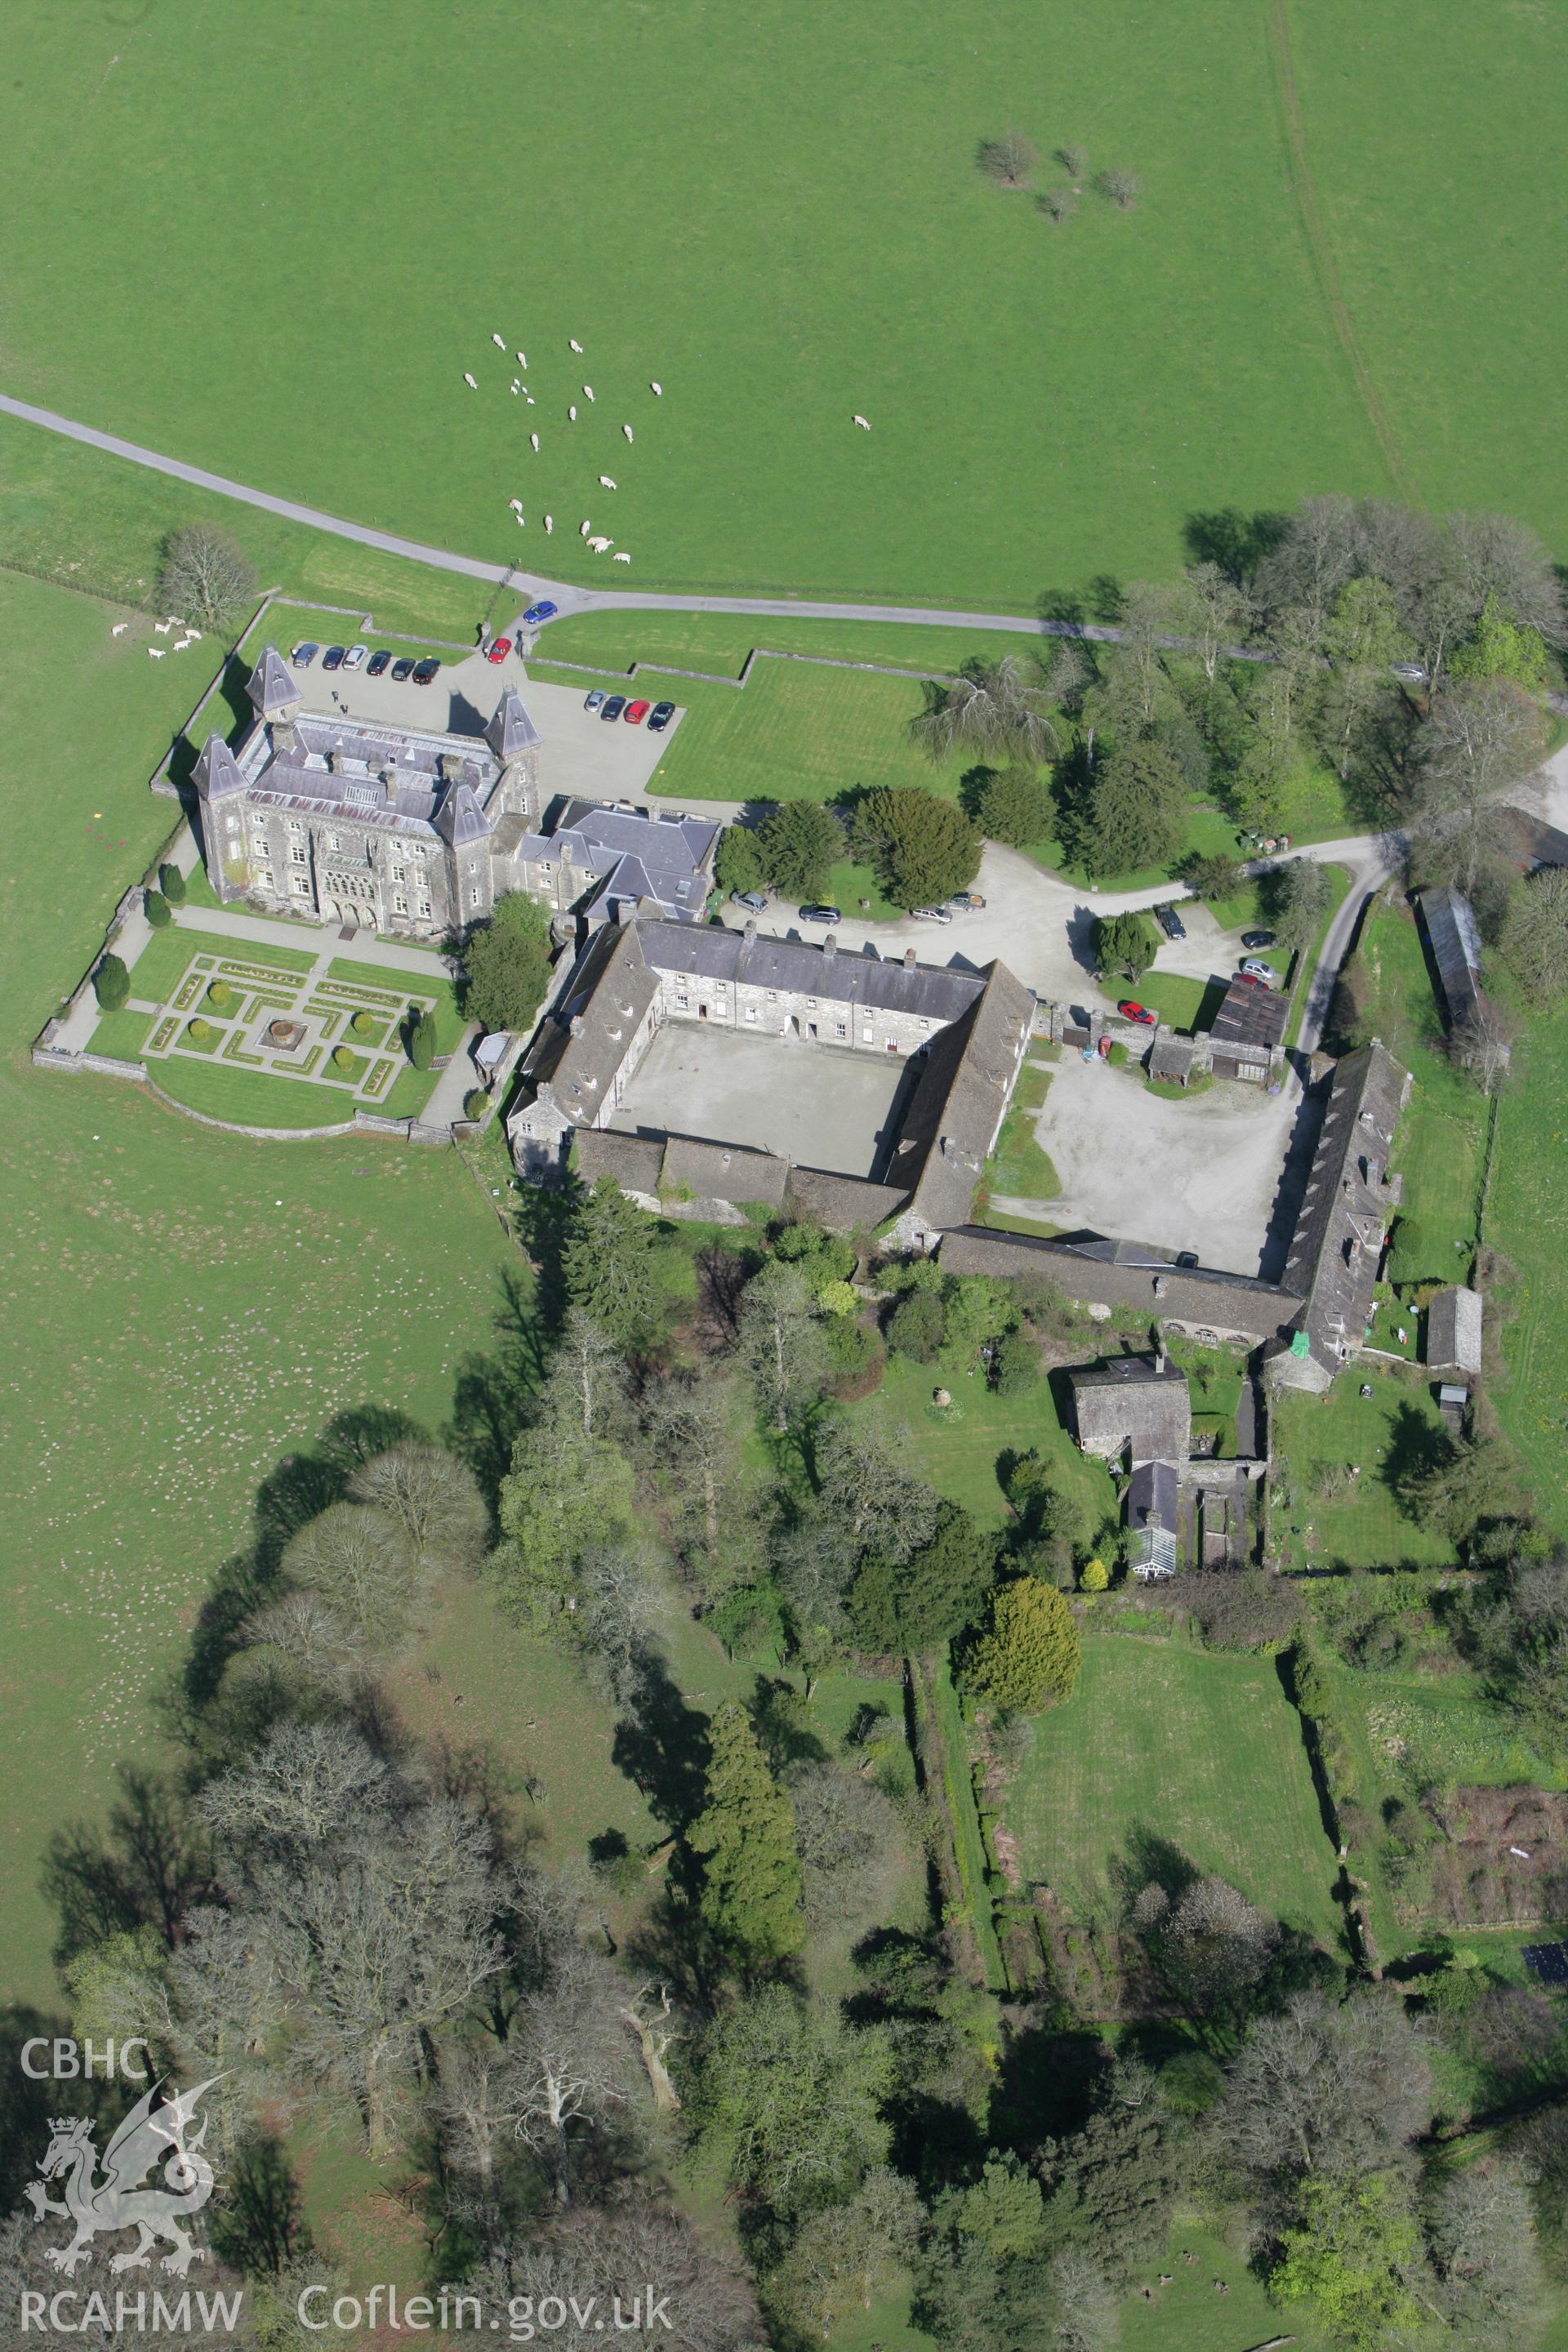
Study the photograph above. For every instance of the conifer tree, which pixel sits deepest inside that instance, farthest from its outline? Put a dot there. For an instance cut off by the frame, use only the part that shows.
(745, 1835)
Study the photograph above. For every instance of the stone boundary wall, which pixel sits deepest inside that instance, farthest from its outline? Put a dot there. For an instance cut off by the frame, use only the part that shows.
(49, 1056)
(711, 677)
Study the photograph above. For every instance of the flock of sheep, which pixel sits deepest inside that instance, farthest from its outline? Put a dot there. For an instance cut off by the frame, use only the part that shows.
(161, 628)
(596, 539)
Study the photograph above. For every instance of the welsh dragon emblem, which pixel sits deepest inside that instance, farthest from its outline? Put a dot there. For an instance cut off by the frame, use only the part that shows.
(116, 2199)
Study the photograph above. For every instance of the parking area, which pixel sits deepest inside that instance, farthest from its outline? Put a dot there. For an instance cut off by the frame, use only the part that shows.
(811, 1104)
(1197, 1174)
(583, 755)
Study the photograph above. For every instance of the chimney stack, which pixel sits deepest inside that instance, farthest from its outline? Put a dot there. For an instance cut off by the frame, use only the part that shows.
(830, 945)
(908, 959)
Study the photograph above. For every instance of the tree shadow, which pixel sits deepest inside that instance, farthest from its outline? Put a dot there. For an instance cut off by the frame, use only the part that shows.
(661, 1744)
(491, 1393)
(261, 2226)
(1046, 2083)
(145, 1868)
(26, 2105)
(1235, 542)
(1417, 1446)
(1147, 1859)
(779, 1716)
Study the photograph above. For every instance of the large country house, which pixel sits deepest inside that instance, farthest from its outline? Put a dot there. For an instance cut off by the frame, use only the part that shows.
(390, 829)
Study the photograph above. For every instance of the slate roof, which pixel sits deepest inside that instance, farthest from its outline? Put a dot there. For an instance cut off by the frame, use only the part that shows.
(1449, 922)
(725, 1172)
(842, 1203)
(1251, 1018)
(1153, 1497)
(716, 953)
(957, 1105)
(1136, 1404)
(634, 1161)
(510, 729)
(1529, 840)
(218, 772)
(602, 1013)
(1337, 1246)
(1454, 1325)
(272, 686)
(393, 779)
(1172, 1059)
(460, 820)
(1125, 1273)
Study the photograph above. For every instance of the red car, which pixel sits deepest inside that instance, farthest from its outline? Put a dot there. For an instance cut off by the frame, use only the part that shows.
(636, 712)
(1251, 979)
(1131, 1012)
(499, 650)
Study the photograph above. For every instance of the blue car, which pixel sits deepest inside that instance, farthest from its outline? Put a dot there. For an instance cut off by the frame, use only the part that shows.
(537, 613)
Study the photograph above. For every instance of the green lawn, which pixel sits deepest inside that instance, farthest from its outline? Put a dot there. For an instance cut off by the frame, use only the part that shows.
(196, 1305)
(169, 954)
(1203, 1751)
(958, 1447)
(1020, 1165)
(1189, 337)
(121, 1035)
(1528, 1221)
(1317, 1438)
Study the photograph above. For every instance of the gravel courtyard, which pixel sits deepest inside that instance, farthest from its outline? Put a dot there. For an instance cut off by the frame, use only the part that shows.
(1194, 1175)
(810, 1104)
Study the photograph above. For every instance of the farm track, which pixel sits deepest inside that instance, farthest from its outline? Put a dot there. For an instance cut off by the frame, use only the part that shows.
(1325, 267)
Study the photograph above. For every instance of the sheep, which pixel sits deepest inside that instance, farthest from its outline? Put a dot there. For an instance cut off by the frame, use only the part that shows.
(120, 628)
(522, 362)
(572, 415)
(181, 645)
(864, 422)
(193, 633)
(516, 387)
(500, 342)
(628, 431)
(574, 344)
(605, 483)
(622, 558)
(521, 516)
(516, 505)
(162, 627)
(549, 525)
(600, 544)
(155, 652)
(175, 621)
(533, 443)
(656, 389)
(472, 382)
(529, 397)
(588, 390)
(583, 528)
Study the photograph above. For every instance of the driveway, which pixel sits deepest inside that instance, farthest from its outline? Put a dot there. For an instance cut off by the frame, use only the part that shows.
(1198, 1174)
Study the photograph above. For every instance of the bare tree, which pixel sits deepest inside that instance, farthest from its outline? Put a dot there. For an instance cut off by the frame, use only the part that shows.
(1003, 709)
(360, 1561)
(780, 1345)
(597, 2258)
(849, 1837)
(1483, 2240)
(1074, 162)
(588, 1378)
(307, 1783)
(1211, 610)
(1481, 1046)
(572, 2061)
(1313, 559)
(433, 1497)
(621, 1609)
(1217, 1944)
(1119, 187)
(1085, 2318)
(306, 1627)
(204, 577)
(1481, 739)
(690, 1423)
(1009, 160)
(650, 2016)
(1495, 554)
(867, 1481)
(1057, 204)
(1535, 933)
(1326, 2086)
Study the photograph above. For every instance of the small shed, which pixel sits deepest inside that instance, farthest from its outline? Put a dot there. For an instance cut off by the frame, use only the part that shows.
(1453, 1322)
(1172, 1059)
(1248, 1033)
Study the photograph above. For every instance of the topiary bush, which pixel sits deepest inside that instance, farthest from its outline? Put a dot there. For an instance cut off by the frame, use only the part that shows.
(363, 1024)
(198, 1030)
(342, 1058)
(220, 995)
(419, 1039)
(172, 883)
(111, 983)
(476, 1103)
(159, 912)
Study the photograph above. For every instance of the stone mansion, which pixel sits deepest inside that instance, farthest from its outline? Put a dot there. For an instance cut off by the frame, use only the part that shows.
(388, 829)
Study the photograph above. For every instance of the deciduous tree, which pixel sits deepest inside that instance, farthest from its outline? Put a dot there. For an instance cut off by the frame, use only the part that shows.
(506, 963)
(204, 576)
(1004, 709)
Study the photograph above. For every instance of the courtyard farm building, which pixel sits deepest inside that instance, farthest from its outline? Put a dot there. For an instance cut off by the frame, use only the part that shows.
(394, 830)
(708, 1069)
(1342, 1231)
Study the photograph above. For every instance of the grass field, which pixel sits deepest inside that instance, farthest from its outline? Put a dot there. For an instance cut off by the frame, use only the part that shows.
(959, 1445)
(1165, 1741)
(1194, 338)
(1318, 1438)
(1528, 1221)
(194, 1305)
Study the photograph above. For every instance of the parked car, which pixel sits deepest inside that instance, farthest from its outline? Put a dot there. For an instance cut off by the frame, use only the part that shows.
(543, 611)
(592, 701)
(966, 902)
(1411, 672)
(333, 658)
(1131, 1012)
(635, 713)
(932, 914)
(660, 716)
(425, 671)
(1250, 980)
(613, 706)
(499, 650)
(378, 662)
(402, 668)
(1170, 922)
(303, 656)
(752, 900)
(1258, 938)
(1253, 970)
(354, 657)
(821, 915)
